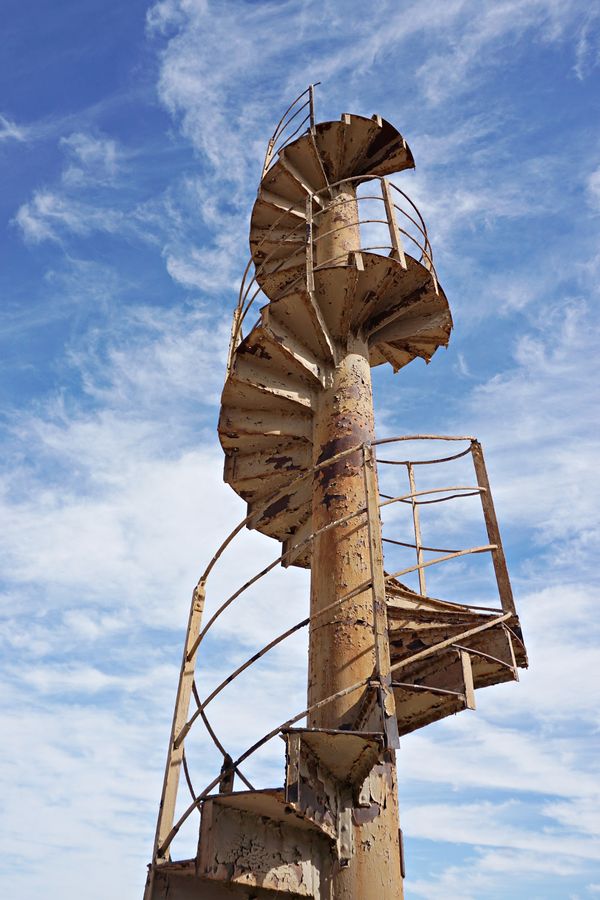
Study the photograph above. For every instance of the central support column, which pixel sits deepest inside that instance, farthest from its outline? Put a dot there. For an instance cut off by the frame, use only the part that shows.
(341, 640)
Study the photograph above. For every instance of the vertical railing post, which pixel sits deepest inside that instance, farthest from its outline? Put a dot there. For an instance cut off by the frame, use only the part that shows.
(267, 161)
(233, 340)
(380, 624)
(417, 528)
(311, 106)
(493, 531)
(395, 236)
(175, 754)
(310, 262)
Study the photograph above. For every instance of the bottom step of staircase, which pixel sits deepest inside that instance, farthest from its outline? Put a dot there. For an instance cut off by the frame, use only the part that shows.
(181, 881)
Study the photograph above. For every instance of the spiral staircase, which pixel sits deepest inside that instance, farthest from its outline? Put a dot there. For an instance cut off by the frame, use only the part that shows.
(278, 370)
(319, 304)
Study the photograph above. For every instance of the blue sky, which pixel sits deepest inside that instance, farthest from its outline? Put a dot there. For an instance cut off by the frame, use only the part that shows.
(131, 138)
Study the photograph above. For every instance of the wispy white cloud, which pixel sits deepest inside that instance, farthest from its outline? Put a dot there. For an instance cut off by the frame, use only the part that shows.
(10, 131)
(49, 214)
(587, 51)
(92, 158)
(593, 188)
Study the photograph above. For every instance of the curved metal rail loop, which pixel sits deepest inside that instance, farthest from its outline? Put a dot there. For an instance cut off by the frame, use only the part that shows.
(399, 222)
(183, 722)
(277, 141)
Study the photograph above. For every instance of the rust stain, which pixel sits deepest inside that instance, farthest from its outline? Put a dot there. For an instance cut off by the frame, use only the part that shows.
(276, 507)
(281, 462)
(254, 350)
(363, 814)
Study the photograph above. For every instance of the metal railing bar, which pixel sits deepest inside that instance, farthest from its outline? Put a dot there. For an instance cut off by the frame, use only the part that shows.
(422, 462)
(256, 746)
(516, 636)
(408, 216)
(501, 662)
(350, 200)
(437, 500)
(187, 776)
(291, 106)
(359, 222)
(266, 570)
(414, 546)
(332, 259)
(428, 250)
(424, 687)
(439, 490)
(487, 548)
(465, 606)
(283, 125)
(435, 648)
(420, 437)
(288, 139)
(417, 530)
(425, 250)
(325, 234)
(385, 221)
(381, 199)
(424, 253)
(256, 656)
(287, 488)
(216, 740)
(233, 675)
(284, 635)
(414, 206)
(276, 495)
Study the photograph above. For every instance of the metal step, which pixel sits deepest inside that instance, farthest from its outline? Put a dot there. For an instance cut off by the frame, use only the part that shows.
(255, 839)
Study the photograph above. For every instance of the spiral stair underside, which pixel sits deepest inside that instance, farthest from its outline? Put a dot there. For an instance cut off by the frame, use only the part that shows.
(280, 367)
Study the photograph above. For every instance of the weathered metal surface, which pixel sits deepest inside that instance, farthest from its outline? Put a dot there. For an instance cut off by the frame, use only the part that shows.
(325, 771)
(339, 233)
(253, 849)
(344, 419)
(311, 788)
(347, 756)
(180, 881)
(506, 595)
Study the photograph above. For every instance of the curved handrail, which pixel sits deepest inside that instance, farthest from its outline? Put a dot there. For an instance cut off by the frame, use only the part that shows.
(286, 120)
(413, 497)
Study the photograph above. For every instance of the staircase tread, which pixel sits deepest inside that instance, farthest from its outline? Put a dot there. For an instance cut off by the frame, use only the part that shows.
(269, 802)
(346, 754)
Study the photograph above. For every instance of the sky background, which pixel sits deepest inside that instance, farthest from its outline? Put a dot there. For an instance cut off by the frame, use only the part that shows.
(131, 140)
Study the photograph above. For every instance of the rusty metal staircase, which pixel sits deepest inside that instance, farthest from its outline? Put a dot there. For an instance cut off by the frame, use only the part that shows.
(331, 273)
(320, 297)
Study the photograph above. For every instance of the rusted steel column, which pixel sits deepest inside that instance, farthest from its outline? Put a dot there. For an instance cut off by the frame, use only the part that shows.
(341, 642)
(337, 227)
(341, 650)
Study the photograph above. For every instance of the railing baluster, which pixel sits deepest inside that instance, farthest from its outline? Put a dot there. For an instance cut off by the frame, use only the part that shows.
(493, 531)
(182, 702)
(310, 263)
(395, 237)
(380, 627)
(417, 528)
